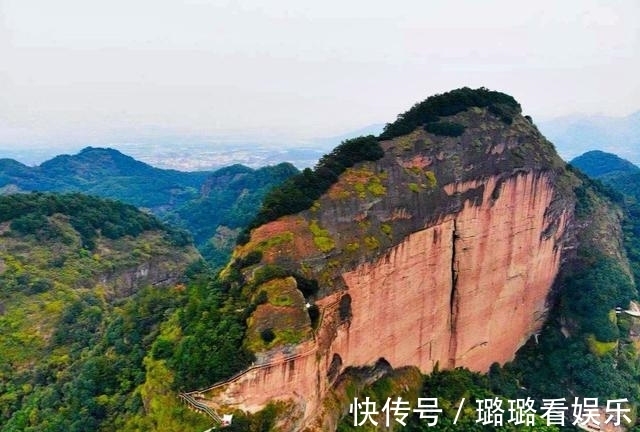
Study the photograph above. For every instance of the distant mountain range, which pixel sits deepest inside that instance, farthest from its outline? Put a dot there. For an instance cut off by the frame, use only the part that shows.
(209, 153)
(574, 135)
(203, 202)
(107, 173)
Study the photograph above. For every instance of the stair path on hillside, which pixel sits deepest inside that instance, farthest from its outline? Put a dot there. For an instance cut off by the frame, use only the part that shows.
(200, 407)
(190, 397)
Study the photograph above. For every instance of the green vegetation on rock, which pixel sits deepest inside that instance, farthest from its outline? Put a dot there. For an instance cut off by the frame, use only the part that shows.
(301, 191)
(414, 187)
(448, 129)
(321, 237)
(431, 179)
(428, 112)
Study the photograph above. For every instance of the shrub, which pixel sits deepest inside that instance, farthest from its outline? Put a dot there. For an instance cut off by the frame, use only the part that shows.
(442, 128)
(88, 215)
(371, 242)
(431, 179)
(29, 223)
(450, 103)
(253, 257)
(261, 298)
(40, 286)
(321, 237)
(268, 272)
(162, 349)
(413, 187)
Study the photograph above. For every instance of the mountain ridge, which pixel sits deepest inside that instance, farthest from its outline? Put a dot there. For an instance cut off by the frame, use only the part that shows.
(481, 202)
(89, 167)
(213, 215)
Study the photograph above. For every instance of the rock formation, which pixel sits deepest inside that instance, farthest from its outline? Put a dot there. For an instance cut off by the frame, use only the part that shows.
(443, 252)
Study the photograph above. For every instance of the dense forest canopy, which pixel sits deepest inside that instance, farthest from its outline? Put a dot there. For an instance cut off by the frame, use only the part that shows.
(428, 112)
(604, 166)
(78, 312)
(89, 215)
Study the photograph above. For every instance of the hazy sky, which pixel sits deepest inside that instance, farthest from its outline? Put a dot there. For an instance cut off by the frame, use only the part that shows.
(97, 72)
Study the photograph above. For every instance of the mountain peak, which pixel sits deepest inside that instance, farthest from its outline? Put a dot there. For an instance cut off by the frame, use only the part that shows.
(432, 109)
(7, 164)
(102, 150)
(94, 162)
(600, 164)
(395, 237)
(465, 133)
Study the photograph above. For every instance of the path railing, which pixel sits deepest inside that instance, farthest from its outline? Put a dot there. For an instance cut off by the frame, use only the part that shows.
(198, 406)
(244, 372)
(189, 398)
(275, 362)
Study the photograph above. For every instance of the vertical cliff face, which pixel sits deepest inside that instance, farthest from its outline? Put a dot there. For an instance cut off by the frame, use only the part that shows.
(443, 252)
(466, 291)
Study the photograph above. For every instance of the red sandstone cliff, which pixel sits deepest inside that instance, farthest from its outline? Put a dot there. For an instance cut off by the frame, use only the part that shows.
(467, 291)
(432, 255)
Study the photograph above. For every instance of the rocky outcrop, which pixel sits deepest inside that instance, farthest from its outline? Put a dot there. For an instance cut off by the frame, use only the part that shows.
(466, 291)
(443, 252)
(159, 271)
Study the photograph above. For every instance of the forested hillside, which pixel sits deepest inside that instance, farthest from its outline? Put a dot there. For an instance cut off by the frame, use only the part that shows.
(603, 166)
(212, 206)
(622, 179)
(84, 286)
